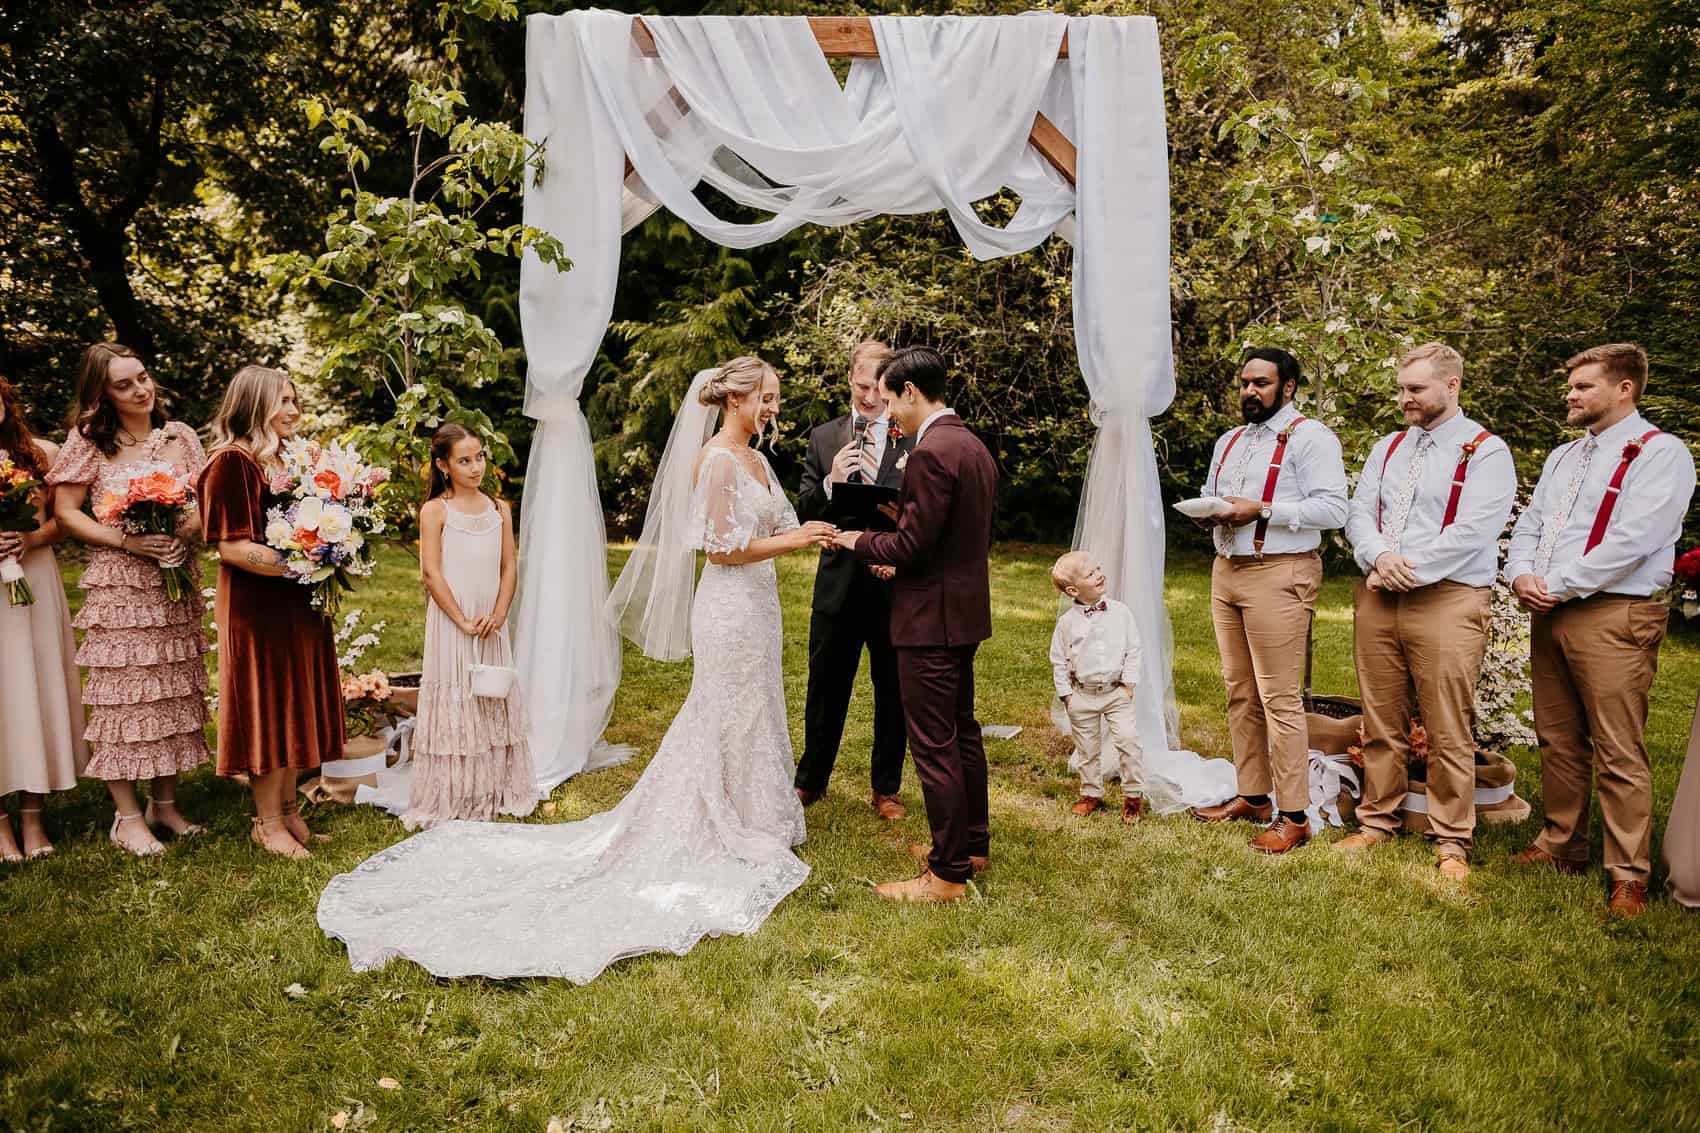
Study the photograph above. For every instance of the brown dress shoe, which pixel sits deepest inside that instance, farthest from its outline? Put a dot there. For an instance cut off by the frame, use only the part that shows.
(927, 889)
(1234, 808)
(1087, 805)
(1283, 835)
(1628, 899)
(887, 807)
(1362, 840)
(1534, 855)
(809, 798)
(1453, 869)
(979, 863)
(1133, 809)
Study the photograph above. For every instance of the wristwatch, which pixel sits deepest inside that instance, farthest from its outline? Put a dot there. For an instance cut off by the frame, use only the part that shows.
(1263, 513)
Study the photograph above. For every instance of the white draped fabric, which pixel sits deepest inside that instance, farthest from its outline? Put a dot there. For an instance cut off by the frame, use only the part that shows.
(939, 121)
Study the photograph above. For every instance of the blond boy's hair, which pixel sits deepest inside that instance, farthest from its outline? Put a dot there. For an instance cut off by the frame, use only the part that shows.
(1065, 572)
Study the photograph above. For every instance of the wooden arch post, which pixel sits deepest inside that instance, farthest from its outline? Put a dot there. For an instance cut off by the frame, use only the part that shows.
(852, 37)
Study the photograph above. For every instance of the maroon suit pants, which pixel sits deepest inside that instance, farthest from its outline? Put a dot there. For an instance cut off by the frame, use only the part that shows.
(950, 757)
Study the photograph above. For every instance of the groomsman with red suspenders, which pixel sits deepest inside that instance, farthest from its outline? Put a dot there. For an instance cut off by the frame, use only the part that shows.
(1424, 525)
(1284, 481)
(1587, 555)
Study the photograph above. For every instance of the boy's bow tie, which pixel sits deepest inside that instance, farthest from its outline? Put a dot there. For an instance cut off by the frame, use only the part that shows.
(1099, 608)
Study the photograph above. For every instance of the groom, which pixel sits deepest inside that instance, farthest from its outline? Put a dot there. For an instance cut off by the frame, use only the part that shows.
(941, 609)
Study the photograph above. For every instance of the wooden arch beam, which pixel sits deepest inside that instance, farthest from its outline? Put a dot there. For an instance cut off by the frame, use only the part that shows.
(852, 37)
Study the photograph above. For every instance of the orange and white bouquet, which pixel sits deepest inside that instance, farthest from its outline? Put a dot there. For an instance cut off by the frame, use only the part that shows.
(17, 514)
(152, 499)
(332, 509)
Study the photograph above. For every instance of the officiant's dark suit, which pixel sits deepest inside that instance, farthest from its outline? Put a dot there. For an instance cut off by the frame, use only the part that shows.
(852, 609)
(941, 609)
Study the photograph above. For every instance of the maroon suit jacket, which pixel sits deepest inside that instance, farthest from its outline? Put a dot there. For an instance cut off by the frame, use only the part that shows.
(942, 595)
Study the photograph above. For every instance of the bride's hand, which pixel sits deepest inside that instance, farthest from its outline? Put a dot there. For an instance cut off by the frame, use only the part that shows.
(817, 532)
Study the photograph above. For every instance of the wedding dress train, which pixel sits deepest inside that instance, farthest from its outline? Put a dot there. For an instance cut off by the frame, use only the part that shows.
(701, 846)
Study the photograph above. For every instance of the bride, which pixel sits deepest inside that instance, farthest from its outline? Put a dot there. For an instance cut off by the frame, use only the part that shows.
(701, 846)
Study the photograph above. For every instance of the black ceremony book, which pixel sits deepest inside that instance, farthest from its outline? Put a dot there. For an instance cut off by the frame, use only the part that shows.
(855, 507)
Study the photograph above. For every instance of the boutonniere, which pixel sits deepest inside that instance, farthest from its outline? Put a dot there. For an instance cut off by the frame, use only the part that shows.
(894, 432)
(902, 461)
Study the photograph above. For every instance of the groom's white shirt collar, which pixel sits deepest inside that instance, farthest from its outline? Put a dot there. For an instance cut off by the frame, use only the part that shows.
(931, 417)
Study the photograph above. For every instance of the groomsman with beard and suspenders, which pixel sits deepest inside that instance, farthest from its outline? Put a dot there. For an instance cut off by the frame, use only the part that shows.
(1263, 588)
(852, 600)
(1424, 525)
(1588, 554)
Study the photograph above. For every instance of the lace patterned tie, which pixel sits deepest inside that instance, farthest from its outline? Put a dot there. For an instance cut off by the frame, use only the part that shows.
(1560, 517)
(1236, 481)
(1399, 515)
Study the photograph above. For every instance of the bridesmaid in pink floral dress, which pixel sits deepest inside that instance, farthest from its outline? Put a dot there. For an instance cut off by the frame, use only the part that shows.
(146, 677)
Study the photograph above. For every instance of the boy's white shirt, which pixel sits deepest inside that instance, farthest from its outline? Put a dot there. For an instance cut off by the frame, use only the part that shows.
(1100, 647)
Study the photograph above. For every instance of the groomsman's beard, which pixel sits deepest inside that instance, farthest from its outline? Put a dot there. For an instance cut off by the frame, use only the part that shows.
(1256, 413)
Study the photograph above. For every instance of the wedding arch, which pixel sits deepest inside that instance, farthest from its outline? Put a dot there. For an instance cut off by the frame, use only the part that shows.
(936, 113)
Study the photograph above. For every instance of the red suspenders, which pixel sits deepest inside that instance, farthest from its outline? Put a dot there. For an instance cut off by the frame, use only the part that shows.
(1609, 500)
(1458, 474)
(1281, 438)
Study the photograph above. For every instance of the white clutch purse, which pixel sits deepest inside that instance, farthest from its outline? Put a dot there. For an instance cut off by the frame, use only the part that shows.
(1202, 508)
(494, 681)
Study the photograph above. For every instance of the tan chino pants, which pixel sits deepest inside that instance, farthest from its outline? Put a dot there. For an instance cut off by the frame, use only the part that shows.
(1262, 608)
(1427, 642)
(1592, 661)
(1090, 716)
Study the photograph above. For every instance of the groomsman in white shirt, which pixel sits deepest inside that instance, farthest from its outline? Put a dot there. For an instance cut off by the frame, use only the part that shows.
(1587, 554)
(1424, 525)
(1284, 482)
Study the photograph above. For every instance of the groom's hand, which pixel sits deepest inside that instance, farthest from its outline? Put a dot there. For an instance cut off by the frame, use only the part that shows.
(847, 539)
(882, 572)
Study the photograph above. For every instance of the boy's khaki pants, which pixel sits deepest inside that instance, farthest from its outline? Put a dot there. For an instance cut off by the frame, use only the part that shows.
(1090, 716)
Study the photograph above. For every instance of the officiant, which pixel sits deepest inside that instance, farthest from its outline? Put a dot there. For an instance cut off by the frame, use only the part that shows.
(852, 602)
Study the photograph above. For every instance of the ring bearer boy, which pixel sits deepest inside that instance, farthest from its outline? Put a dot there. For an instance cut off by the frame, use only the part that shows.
(1263, 588)
(1424, 525)
(1588, 557)
(1094, 666)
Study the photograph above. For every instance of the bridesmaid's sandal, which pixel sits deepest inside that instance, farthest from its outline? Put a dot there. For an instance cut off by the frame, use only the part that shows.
(277, 841)
(44, 848)
(9, 852)
(164, 812)
(297, 825)
(148, 849)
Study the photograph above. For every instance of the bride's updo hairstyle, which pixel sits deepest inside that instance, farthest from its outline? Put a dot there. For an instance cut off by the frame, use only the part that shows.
(741, 377)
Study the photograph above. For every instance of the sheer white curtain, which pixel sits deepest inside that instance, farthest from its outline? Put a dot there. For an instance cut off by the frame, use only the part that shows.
(939, 121)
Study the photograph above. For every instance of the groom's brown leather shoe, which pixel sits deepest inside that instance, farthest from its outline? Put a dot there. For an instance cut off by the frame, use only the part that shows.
(928, 889)
(888, 807)
(1283, 835)
(1234, 808)
(1628, 899)
(808, 798)
(1534, 855)
(977, 862)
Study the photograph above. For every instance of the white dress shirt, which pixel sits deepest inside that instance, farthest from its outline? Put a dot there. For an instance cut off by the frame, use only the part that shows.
(1310, 496)
(1467, 551)
(1100, 647)
(1635, 555)
(931, 417)
(878, 430)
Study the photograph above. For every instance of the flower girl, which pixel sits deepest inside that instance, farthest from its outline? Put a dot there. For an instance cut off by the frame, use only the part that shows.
(471, 757)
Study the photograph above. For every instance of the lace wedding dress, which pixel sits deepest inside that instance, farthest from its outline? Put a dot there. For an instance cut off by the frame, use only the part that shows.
(701, 846)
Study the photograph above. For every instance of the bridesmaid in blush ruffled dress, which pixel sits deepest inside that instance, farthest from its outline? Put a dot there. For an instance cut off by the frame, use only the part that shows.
(41, 706)
(143, 650)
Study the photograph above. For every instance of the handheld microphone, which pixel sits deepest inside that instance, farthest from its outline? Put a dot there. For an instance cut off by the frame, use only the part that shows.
(859, 435)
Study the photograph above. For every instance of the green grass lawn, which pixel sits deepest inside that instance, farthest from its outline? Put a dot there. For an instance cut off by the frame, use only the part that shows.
(1100, 978)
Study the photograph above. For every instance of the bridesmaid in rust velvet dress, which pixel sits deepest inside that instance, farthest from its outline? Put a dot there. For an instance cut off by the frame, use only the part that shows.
(279, 697)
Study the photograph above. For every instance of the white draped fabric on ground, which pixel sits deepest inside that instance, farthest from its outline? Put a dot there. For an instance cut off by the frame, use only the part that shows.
(938, 121)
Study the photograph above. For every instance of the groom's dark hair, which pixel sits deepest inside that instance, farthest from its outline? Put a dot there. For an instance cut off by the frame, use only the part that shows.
(917, 366)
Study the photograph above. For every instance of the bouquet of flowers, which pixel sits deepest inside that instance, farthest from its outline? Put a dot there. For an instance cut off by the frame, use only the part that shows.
(151, 501)
(1684, 593)
(362, 696)
(17, 514)
(332, 508)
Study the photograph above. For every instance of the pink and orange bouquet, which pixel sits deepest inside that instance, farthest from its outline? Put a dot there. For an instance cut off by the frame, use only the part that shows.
(332, 506)
(153, 501)
(17, 514)
(362, 697)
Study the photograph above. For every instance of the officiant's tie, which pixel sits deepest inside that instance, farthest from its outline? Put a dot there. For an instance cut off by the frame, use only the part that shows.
(870, 468)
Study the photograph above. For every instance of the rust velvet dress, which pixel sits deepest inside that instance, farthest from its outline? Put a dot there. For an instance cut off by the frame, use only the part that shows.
(279, 695)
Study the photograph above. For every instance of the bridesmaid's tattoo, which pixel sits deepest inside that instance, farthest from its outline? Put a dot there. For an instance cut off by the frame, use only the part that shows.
(263, 557)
